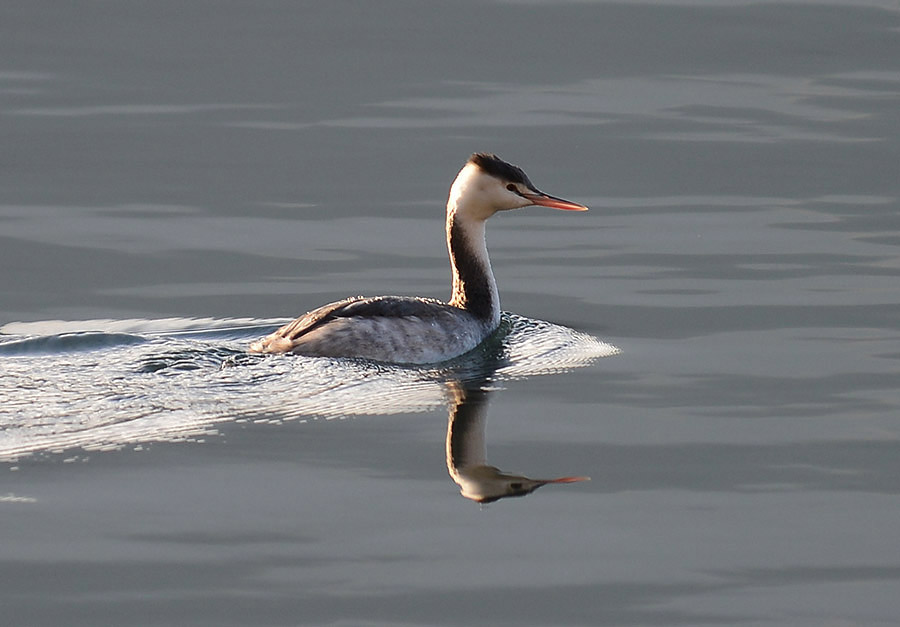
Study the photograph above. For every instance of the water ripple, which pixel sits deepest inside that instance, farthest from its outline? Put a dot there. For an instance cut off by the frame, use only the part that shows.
(129, 382)
(67, 342)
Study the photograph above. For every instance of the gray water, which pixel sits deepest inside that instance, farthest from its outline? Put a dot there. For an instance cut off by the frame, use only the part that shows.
(715, 343)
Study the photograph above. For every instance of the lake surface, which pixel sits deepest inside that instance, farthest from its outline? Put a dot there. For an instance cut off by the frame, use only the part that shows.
(716, 344)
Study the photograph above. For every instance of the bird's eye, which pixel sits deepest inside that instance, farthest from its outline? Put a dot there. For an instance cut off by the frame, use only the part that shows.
(512, 188)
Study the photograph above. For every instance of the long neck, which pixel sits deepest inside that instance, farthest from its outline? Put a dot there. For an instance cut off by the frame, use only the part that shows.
(474, 287)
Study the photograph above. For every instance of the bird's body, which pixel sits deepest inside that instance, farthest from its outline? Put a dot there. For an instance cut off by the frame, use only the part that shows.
(403, 329)
(399, 329)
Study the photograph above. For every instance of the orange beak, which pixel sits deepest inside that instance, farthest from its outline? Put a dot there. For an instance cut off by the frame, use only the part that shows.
(546, 200)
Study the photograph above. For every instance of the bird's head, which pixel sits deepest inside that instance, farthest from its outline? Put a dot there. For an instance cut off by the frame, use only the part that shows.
(487, 184)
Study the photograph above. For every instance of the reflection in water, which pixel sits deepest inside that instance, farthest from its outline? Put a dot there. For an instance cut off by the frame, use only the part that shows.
(467, 452)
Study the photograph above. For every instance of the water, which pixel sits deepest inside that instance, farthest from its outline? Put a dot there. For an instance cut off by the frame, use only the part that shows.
(178, 178)
(112, 389)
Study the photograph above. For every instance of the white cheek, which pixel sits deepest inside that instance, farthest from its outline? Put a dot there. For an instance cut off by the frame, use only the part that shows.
(524, 202)
(514, 201)
(504, 199)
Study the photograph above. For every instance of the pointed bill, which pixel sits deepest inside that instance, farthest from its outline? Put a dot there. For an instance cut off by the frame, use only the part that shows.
(546, 200)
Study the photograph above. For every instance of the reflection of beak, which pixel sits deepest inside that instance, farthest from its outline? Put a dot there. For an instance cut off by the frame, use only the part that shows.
(546, 200)
(563, 480)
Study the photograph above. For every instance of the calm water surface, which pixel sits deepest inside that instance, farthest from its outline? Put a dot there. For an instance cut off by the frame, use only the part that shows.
(177, 178)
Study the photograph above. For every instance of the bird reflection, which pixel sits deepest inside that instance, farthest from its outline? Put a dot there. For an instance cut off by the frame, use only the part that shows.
(467, 454)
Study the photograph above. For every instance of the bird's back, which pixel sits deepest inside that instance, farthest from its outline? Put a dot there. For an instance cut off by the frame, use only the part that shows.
(396, 329)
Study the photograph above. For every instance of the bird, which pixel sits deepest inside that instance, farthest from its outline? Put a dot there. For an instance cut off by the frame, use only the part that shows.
(416, 330)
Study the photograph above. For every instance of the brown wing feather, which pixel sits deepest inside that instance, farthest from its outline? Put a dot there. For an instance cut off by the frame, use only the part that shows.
(282, 340)
(285, 339)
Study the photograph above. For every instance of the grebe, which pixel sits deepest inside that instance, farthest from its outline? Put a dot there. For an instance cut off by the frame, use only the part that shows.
(403, 329)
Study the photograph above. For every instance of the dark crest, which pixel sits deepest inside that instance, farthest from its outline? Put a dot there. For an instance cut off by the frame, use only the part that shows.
(495, 166)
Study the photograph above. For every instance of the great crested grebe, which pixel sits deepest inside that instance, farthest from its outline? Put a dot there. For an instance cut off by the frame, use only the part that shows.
(413, 330)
